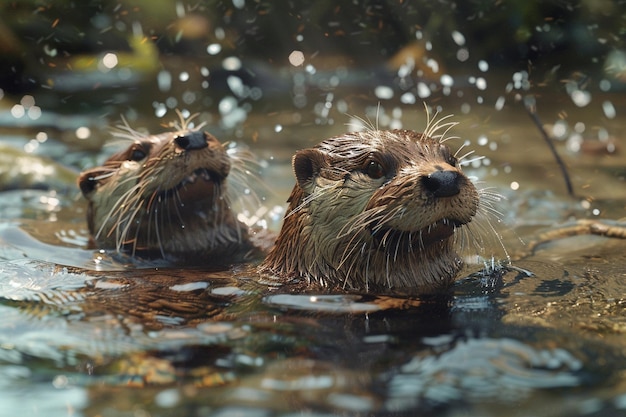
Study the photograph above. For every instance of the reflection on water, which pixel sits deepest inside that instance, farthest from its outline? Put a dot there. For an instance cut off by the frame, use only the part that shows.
(93, 333)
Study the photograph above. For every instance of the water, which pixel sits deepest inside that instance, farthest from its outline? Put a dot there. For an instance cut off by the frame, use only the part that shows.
(544, 337)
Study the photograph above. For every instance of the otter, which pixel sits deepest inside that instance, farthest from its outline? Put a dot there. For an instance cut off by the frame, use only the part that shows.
(167, 196)
(374, 211)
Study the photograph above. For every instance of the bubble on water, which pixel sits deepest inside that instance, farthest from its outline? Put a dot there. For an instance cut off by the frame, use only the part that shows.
(383, 92)
(483, 65)
(214, 49)
(422, 90)
(514, 185)
(481, 83)
(609, 110)
(240, 4)
(482, 140)
(183, 76)
(458, 38)
(299, 37)
(278, 128)
(493, 146)
(465, 108)
(204, 71)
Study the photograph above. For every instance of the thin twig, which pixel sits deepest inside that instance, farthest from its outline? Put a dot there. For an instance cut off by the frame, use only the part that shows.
(531, 108)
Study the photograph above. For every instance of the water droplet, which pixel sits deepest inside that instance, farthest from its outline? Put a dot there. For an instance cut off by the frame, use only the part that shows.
(422, 90)
(83, 132)
(164, 81)
(383, 92)
(231, 63)
(408, 98)
(17, 111)
(462, 55)
(446, 80)
(581, 98)
(214, 49)
(609, 110)
(296, 58)
(458, 38)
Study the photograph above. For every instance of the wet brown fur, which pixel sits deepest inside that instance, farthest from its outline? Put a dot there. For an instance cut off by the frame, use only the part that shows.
(137, 204)
(360, 216)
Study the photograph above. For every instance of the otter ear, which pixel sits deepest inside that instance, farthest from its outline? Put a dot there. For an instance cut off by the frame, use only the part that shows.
(307, 164)
(88, 180)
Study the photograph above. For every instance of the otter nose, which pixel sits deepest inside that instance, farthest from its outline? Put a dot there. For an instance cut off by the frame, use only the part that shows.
(191, 141)
(442, 183)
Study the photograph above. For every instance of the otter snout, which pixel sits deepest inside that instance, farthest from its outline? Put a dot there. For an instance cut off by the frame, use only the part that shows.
(192, 141)
(443, 183)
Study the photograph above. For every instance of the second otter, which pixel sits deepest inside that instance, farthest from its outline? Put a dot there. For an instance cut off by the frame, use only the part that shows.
(375, 211)
(167, 196)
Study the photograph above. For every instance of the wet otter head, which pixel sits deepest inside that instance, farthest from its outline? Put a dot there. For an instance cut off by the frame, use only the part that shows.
(375, 211)
(165, 196)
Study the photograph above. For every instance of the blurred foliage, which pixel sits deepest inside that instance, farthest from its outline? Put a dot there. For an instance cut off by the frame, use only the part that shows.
(38, 35)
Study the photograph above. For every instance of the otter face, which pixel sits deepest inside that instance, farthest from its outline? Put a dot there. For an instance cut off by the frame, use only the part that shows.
(163, 196)
(376, 209)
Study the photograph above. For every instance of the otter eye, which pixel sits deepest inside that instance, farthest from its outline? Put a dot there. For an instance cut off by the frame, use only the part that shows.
(137, 153)
(450, 159)
(374, 170)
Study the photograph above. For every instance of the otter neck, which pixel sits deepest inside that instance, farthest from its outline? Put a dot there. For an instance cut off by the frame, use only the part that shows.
(307, 248)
